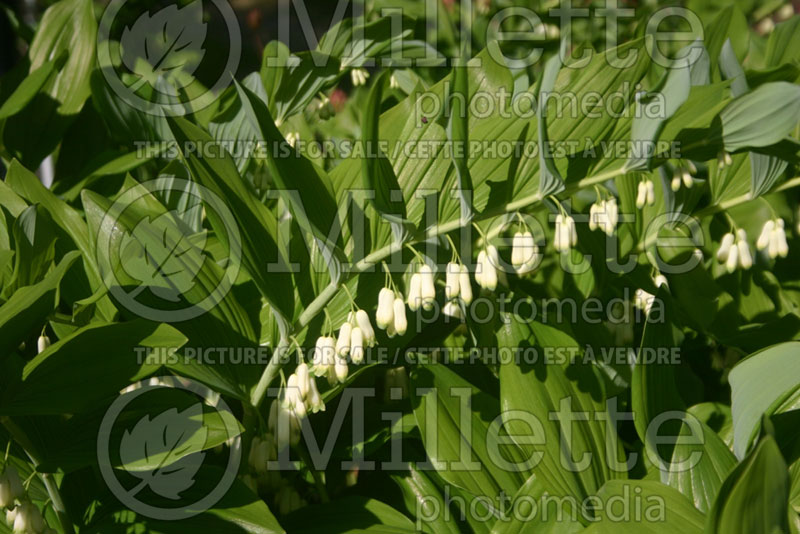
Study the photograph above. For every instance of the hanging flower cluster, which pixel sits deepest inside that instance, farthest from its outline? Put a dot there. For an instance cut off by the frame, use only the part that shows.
(645, 194)
(359, 77)
(604, 215)
(734, 251)
(486, 268)
(421, 290)
(524, 252)
(565, 235)
(22, 516)
(773, 239)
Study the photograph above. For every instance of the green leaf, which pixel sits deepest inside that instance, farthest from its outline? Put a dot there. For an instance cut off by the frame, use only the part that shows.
(305, 75)
(26, 90)
(761, 117)
(376, 169)
(755, 496)
(551, 516)
(653, 110)
(303, 186)
(258, 225)
(423, 499)
(47, 384)
(783, 45)
(455, 418)
(700, 463)
(531, 395)
(663, 510)
(458, 135)
(654, 393)
(238, 511)
(350, 515)
(68, 25)
(759, 385)
(550, 181)
(27, 309)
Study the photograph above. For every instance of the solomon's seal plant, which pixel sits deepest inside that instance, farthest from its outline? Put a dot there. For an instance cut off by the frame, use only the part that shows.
(427, 266)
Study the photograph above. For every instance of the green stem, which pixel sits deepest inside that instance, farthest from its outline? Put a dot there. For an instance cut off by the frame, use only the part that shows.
(269, 373)
(369, 261)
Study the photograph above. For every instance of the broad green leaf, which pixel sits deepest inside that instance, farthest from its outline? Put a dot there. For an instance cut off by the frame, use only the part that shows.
(541, 404)
(533, 511)
(68, 25)
(303, 186)
(762, 117)
(700, 464)
(654, 394)
(376, 170)
(755, 496)
(28, 185)
(238, 511)
(457, 422)
(550, 181)
(730, 25)
(47, 384)
(26, 90)
(350, 515)
(783, 45)
(305, 75)
(261, 256)
(663, 510)
(458, 135)
(34, 247)
(759, 385)
(764, 170)
(654, 109)
(27, 309)
(423, 499)
(232, 126)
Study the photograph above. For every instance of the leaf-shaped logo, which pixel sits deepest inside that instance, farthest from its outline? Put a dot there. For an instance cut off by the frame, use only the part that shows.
(156, 254)
(165, 43)
(165, 452)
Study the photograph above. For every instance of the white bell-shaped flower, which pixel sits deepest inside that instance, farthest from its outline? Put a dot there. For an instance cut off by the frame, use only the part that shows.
(415, 292)
(362, 320)
(357, 345)
(303, 379)
(465, 285)
(324, 353)
(486, 273)
(745, 258)
(340, 369)
(384, 316)
(428, 289)
(42, 343)
(400, 321)
(343, 341)
(314, 399)
(452, 309)
(725, 247)
(452, 285)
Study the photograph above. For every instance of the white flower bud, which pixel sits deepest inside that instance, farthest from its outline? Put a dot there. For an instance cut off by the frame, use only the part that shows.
(516, 249)
(428, 288)
(341, 369)
(783, 246)
(292, 138)
(613, 215)
(42, 343)
(400, 322)
(357, 345)
(661, 280)
(745, 259)
(451, 286)
(764, 237)
(594, 215)
(641, 195)
(362, 319)
(358, 76)
(675, 185)
(479, 267)
(687, 179)
(651, 193)
(643, 300)
(465, 285)
(415, 292)
(785, 12)
(324, 353)
(303, 380)
(343, 342)
(11, 515)
(572, 232)
(725, 247)
(28, 519)
(774, 243)
(384, 316)
(315, 402)
(452, 309)
(6, 499)
(733, 259)
(489, 268)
